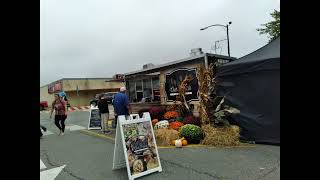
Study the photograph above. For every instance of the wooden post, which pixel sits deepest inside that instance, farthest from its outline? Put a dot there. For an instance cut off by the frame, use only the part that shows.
(162, 79)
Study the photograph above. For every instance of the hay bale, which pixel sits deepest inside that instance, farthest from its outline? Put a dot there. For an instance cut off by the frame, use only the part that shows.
(165, 136)
(227, 136)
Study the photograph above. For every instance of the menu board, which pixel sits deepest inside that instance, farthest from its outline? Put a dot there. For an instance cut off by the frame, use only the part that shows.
(94, 119)
(139, 147)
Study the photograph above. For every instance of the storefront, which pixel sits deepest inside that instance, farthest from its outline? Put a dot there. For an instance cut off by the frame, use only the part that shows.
(80, 90)
(157, 85)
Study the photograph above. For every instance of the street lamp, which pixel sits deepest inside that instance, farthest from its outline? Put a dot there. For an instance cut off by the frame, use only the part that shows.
(226, 26)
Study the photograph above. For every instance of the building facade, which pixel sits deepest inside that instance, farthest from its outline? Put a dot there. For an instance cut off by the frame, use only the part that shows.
(80, 90)
(158, 85)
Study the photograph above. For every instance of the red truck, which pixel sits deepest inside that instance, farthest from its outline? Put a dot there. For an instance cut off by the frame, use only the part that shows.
(43, 105)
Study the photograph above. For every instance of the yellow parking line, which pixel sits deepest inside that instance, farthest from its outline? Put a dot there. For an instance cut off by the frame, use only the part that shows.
(166, 147)
(204, 146)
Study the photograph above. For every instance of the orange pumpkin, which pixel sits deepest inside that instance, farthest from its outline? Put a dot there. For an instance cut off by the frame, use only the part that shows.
(184, 142)
(154, 121)
(173, 142)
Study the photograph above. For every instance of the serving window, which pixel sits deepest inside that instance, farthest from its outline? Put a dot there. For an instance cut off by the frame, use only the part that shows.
(144, 89)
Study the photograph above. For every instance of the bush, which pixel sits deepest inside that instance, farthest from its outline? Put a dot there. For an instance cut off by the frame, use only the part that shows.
(156, 112)
(171, 115)
(175, 125)
(192, 120)
(180, 119)
(192, 133)
(183, 111)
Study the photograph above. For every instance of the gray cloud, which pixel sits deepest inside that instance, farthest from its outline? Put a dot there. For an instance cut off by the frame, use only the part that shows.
(98, 38)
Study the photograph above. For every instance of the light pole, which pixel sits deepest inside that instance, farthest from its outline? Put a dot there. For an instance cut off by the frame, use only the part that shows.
(226, 26)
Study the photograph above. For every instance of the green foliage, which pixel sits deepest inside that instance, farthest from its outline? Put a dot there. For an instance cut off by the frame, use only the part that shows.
(192, 133)
(183, 111)
(180, 119)
(272, 28)
(220, 118)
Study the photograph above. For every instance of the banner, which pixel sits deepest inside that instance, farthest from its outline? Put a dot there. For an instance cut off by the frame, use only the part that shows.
(55, 87)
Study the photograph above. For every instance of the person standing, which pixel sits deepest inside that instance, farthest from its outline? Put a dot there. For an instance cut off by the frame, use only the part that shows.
(104, 113)
(121, 104)
(60, 107)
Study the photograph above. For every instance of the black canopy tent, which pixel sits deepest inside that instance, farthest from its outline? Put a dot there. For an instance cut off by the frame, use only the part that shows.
(252, 85)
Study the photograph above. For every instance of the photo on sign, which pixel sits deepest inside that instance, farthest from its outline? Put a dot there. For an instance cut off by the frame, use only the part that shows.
(140, 147)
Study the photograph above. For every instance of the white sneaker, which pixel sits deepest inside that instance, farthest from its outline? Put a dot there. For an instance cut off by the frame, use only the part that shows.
(62, 134)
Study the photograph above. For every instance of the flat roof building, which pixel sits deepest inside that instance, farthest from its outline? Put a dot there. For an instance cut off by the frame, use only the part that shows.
(79, 90)
(158, 84)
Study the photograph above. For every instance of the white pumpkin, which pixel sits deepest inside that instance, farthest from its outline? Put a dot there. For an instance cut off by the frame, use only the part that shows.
(178, 143)
(161, 125)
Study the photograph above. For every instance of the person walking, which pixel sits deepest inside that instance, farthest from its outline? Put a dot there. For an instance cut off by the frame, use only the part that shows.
(63, 95)
(59, 106)
(104, 114)
(121, 104)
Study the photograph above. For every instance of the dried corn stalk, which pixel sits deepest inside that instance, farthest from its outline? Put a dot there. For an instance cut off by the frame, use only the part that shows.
(206, 88)
(183, 89)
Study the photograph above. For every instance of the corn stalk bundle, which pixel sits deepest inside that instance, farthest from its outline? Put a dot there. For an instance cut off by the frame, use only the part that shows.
(182, 104)
(206, 89)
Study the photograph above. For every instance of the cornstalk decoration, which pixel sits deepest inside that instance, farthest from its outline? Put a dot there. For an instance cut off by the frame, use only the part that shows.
(207, 93)
(183, 89)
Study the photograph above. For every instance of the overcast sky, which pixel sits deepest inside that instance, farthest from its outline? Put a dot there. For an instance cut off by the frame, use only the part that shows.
(99, 38)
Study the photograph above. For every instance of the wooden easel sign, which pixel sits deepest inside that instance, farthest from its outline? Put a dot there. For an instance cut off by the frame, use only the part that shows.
(135, 146)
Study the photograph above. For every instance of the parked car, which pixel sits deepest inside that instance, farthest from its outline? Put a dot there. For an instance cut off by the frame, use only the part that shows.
(94, 101)
(109, 95)
(43, 105)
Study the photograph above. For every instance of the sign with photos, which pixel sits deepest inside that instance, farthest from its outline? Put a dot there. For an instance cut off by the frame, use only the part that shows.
(135, 147)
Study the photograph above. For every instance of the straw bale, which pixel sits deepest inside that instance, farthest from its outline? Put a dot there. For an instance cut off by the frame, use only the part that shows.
(165, 136)
(227, 136)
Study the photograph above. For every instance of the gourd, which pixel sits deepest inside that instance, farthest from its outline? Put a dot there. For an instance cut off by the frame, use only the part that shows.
(154, 121)
(173, 142)
(184, 142)
(178, 143)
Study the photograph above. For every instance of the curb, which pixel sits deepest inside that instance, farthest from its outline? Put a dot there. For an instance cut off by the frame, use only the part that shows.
(103, 136)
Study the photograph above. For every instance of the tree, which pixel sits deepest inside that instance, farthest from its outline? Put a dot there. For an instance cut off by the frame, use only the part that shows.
(272, 28)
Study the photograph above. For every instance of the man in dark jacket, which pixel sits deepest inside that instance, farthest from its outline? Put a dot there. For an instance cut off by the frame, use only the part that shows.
(121, 104)
(104, 112)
